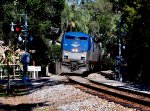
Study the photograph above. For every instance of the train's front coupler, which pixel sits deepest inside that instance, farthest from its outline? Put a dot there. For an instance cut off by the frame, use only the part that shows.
(73, 66)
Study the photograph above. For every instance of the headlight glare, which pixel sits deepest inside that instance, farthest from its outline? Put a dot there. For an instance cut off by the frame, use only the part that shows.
(74, 50)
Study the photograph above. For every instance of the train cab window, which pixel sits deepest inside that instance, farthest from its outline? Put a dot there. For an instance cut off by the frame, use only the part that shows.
(70, 37)
(82, 38)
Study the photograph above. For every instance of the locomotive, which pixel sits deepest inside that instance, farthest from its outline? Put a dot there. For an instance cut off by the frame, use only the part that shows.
(79, 53)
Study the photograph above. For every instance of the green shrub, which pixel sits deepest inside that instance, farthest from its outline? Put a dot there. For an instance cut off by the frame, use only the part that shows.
(109, 63)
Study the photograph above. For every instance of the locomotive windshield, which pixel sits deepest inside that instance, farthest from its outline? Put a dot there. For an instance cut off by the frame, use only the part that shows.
(82, 38)
(70, 37)
(75, 38)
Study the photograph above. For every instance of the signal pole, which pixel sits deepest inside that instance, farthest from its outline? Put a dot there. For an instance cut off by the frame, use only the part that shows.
(25, 57)
(120, 57)
(26, 32)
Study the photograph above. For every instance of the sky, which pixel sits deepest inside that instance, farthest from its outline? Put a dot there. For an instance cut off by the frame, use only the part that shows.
(77, 1)
(71, 1)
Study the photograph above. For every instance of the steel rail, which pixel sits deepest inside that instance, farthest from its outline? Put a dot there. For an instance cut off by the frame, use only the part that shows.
(128, 95)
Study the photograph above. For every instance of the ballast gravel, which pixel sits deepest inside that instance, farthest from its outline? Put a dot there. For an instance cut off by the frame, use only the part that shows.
(61, 97)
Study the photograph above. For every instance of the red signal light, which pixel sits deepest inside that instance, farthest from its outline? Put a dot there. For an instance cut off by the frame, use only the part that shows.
(17, 29)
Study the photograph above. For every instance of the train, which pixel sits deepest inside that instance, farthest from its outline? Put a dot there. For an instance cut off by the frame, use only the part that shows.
(80, 53)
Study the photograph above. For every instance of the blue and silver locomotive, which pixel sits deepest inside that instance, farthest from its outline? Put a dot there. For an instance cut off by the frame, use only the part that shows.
(79, 53)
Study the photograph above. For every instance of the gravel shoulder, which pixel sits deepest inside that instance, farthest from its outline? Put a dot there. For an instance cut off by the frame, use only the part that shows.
(56, 96)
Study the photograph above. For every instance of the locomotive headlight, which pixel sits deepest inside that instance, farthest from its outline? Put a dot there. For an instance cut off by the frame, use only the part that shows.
(66, 53)
(82, 55)
(74, 50)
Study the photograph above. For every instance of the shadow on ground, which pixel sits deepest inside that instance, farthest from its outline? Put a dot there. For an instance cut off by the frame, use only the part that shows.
(18, 88)
(21, 107)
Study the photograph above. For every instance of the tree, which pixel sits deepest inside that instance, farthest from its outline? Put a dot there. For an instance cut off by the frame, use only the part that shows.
(91, 17)
(45, 16)
(42, 15)
(137, 38)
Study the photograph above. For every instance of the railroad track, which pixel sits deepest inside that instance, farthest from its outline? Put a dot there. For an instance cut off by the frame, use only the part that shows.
(125, 97)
